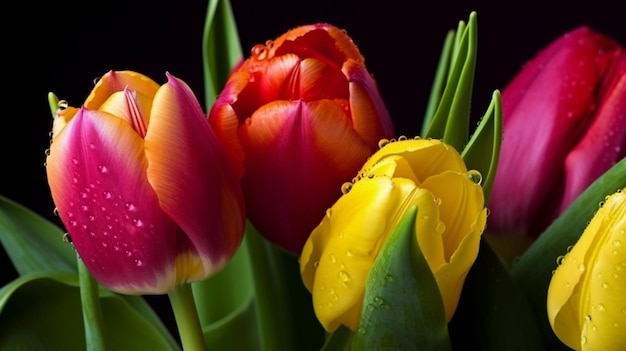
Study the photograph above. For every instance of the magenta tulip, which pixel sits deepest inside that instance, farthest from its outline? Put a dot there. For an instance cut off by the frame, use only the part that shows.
(564, 125)
(144, 189)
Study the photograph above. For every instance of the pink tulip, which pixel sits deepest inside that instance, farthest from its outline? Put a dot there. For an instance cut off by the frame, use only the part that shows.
(142, 186)
(564, 126)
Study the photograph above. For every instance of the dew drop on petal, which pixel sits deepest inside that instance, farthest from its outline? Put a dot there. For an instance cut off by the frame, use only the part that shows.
(475, 176)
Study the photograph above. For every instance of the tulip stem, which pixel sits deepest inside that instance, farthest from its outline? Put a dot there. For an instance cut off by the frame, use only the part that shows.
(187, 319)
(269, 292)
(92, 311)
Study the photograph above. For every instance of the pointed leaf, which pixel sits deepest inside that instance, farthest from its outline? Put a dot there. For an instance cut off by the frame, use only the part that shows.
(483, 150)
(339, 340)
(402, 309)
(533, 270)
(221, 48)
(451, 119)
(439, 83)
(33, 243)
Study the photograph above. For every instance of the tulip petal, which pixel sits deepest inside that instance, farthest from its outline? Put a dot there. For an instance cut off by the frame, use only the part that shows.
(96, 172)
(428, 157)
(131, 106)
(305, 136)
(352, 234)
(586, 294)
(371, 118)
(114, 81)
(604, 142)
(203, 198)
(461, 202)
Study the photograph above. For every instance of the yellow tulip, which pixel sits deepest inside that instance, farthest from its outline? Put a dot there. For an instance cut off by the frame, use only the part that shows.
(340, 252)
(587, 294)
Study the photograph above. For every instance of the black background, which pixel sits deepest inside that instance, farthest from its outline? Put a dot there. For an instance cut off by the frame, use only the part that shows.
(62, 46)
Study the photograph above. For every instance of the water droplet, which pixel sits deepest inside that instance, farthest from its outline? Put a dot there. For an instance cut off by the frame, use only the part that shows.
(581, 267)
(46, 152)
(349, 253)
(62, 104)
(599, 307)
(316, 264)
(383, 142)
(128, 253)
(362, 330)
(402, 138)
(67, 238)
(617, 243)
(130, 207)
(75, 180)
(55, 211)
(103, 169)
(333, 258)
(259, 52)
(371, 306)
(438, 201)
(559, 260)
(583, 340)
(73, 223)
(440, 228)
(138, 263)
(604, 285)
(104, 244)
(346, 187)
(388, 277)
(475, 176)
(92, 146)
(343, 276)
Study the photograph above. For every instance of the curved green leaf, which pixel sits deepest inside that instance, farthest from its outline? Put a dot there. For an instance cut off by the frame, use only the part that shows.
(33, 243)
(402, 309)
(43, 312)
(533, 270)
(221, 48)
(483, 150)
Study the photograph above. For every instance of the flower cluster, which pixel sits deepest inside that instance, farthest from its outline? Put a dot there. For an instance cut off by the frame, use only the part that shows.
(154, 194)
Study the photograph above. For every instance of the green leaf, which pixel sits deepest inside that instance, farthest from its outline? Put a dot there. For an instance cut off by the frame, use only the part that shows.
(493, 312)
(33, 243)
(483, 150)
(43, 312)
(236, 331)
(402, 308)
(533, 270)
(439, 83)
(451, 119)
(339, 340)
(221, 48)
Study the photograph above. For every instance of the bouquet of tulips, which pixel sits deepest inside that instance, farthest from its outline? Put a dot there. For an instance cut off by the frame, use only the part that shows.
(290, 216)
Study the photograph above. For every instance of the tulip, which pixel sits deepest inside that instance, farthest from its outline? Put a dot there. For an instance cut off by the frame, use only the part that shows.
(303, 113)
(564, 126)
(586, 297)
(341, 250)
(145, 191)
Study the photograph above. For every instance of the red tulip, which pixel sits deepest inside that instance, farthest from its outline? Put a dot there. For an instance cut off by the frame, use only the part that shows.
(564, 125)
(142, 186)
(304, 114)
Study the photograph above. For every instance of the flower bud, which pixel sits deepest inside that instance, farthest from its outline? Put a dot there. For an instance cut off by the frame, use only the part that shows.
(586, 305)
(144, 189)
(564, 126)
(303, 114)
(340, 252)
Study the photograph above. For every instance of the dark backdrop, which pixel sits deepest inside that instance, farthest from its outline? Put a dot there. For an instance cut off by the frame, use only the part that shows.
(62, 46)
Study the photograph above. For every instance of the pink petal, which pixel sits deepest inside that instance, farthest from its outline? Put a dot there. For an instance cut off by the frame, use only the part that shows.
(195, 182)
(96, 171)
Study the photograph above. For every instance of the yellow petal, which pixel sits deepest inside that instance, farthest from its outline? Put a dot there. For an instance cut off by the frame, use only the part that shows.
(427, 157)
(341, 251)
(114, 81)
(586, 305)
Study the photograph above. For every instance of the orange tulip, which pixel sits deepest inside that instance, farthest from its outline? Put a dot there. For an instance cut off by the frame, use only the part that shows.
(303, 114)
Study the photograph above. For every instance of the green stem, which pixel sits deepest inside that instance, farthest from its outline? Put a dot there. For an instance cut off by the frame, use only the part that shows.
(272, 316)
(92, 311)
(187, 320)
